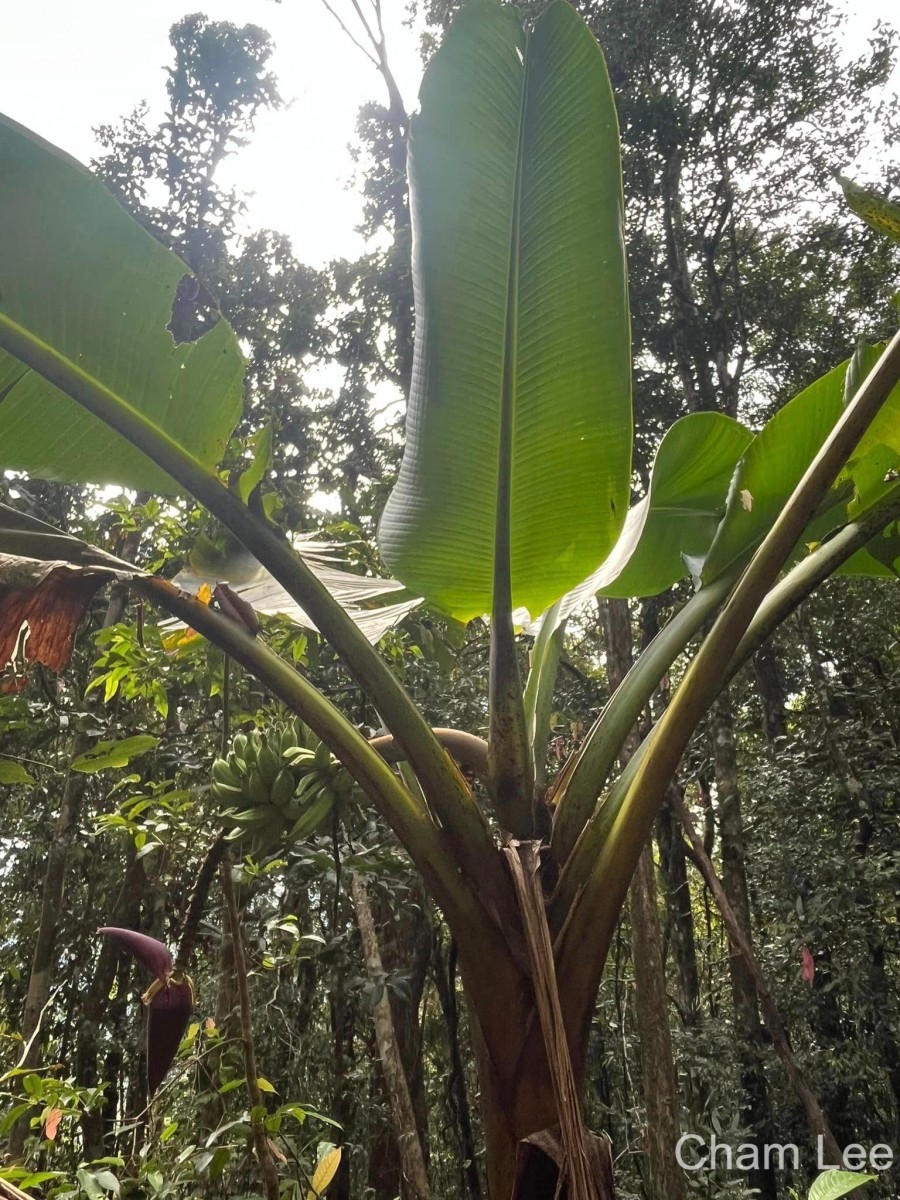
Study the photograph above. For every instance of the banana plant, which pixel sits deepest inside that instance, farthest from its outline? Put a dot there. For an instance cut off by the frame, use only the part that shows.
(512, 501)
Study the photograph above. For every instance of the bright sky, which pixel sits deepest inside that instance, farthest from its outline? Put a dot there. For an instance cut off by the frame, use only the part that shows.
(69, 66)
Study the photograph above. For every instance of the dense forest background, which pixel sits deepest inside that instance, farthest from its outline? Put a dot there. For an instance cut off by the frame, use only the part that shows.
(749, 279)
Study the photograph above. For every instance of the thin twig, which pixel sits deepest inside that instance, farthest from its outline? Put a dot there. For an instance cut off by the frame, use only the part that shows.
(356, 42)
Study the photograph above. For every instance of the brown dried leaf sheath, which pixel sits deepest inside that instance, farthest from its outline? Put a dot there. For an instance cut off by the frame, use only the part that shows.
(567, 1162)
(50, 599)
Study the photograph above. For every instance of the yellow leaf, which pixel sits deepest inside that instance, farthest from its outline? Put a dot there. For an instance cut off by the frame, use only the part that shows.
(265, 1086)
(204, 593)
(177, 638)
(325, 1172)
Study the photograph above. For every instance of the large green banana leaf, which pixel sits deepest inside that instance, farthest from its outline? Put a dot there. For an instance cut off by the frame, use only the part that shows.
(772, 467)
(80, 276)
(521, 381)
(780, 453)
(676, 521)
(673, 525)
(715, 490)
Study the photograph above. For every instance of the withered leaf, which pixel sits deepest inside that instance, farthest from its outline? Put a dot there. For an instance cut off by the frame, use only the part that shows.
(41, 606)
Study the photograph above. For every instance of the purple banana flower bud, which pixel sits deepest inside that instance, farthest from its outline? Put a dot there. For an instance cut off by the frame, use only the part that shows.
(169, 999)
(170, 1011)
(147, 950)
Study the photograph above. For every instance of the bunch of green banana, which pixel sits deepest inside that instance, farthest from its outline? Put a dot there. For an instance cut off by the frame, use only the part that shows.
(278, 786)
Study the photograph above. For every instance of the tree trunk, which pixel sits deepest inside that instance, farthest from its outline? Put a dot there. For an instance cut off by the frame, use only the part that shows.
(757, 1110)
(664, 1180)
(412, 1157)
(96, 1004)
(682, 939)
(457, 1097)
(771, 693)
(41, 977)
(405, 938)
(815, 1117)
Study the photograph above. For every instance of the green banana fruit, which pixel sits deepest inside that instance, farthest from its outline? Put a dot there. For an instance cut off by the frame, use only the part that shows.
(283, 788)
(268, 763)
(311, 817)
(224, 772)
(256, 788)
(227, 793)
(278, 786)
(323, 755)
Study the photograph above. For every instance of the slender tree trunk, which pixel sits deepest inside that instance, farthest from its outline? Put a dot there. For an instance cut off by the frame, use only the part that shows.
(267, 1169)
(771, 693)
(689, 343)
(664, 1177)
(757, 1110)
(405, 940)
(226, 1024)
(96, 1004)
(41, 978)
(64, 832)
(682, 939)
(412, 1157)
(344, 1099)
(665, 1180)
(457, 1097)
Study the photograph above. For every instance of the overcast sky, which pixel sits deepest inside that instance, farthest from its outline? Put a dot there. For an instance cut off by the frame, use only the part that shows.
(69, 66)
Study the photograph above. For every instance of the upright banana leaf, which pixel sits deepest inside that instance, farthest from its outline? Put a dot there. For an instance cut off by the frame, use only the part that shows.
(520, 393)
(82, 281)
